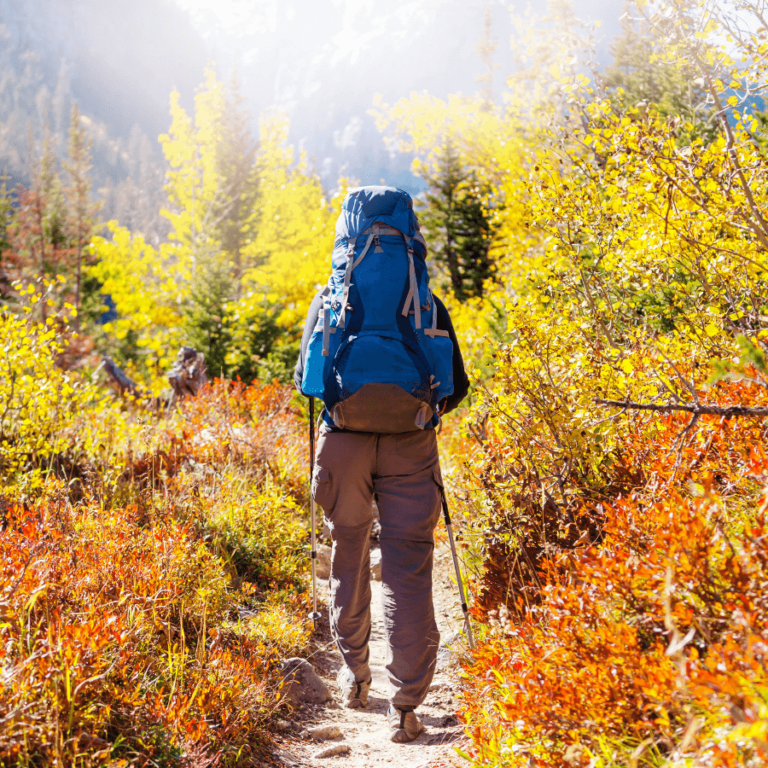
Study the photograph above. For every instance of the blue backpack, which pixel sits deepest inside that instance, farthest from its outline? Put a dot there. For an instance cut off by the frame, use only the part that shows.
(376, 356)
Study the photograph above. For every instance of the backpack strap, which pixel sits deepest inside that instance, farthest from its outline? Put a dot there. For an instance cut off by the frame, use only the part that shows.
(413, 292)
(347, 280)
(434, 330)
(385, 229)
(327, 330)
(352, 263)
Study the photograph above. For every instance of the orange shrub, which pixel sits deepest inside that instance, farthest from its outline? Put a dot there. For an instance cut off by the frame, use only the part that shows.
(648, 642)
(122, 630)
(115, 635)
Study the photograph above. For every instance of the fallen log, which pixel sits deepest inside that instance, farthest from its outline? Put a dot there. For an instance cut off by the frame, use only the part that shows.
(186, 377)
(119, 380)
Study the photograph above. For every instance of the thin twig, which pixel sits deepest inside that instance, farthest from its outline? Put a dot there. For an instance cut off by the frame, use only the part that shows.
(683, 437)
(725, 411)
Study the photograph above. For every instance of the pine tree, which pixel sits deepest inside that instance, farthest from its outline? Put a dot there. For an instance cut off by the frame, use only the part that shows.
(47, 182)
(206, 321)
(82, 211)
(37, 234)
(6, 218)
(458, 227)
(239, 179)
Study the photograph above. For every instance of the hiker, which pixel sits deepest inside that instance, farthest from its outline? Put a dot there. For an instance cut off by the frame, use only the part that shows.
(381, 352)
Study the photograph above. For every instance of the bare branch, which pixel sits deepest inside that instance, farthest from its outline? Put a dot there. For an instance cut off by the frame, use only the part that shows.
(725, 411)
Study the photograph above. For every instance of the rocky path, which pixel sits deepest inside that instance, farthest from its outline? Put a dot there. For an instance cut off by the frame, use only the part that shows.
(364, 736)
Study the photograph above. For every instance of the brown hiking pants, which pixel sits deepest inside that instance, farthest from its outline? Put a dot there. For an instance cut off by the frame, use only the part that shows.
(404, 473)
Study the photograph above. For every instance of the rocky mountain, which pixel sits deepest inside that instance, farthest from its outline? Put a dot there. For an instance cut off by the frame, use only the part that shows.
(322, 61)
(119, 60)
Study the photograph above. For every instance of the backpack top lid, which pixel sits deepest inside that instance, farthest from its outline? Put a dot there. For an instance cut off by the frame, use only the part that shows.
(364, 206)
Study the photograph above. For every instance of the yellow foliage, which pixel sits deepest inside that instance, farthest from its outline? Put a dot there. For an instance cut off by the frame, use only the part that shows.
(291, 253)
(38, 400)
(281, 266)
(193, 180)
(149, 288)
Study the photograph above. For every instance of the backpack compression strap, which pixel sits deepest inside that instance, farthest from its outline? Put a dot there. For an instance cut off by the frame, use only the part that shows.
(327, 330)
(434, 330)
(413, 294)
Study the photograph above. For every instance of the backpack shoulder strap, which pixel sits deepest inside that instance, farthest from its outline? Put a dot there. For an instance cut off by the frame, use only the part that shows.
(352, 263)
(434, 330)
(326, 311)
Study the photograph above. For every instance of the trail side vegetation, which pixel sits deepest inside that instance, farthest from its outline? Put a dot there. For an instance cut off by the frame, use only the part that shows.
(151, 570)
(617, 474)
(600, 237)
(153, 561)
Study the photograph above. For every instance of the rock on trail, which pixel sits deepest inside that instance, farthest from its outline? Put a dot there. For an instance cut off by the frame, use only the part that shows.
(338, 749)
(324, 732)
(302, 684)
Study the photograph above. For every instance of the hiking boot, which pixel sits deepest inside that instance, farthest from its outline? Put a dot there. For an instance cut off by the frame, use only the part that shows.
(354, 693)
(404, 726)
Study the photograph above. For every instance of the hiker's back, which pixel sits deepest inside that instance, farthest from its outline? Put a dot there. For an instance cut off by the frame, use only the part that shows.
(376, 356)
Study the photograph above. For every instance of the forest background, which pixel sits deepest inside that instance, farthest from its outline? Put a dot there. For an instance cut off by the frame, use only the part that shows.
(599, 234)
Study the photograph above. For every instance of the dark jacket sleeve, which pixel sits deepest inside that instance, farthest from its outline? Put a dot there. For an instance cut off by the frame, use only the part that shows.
(460, 380)
(312, 315)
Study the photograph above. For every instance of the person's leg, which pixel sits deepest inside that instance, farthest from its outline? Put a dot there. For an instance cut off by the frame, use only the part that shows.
(406, 483)
(342, 486)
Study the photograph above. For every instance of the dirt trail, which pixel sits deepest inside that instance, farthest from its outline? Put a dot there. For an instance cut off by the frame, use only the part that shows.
(365, 731)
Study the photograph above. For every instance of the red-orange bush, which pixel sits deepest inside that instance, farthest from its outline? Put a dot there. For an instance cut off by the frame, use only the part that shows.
(121, 634)
(114, 635)
(649, 643)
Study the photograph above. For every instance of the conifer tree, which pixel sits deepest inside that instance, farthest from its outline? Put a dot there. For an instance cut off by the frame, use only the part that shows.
(460, 231)
(239, 179)
(37, 234)
(6, 218)
(82, 210)
(206, 316)
(47, 182)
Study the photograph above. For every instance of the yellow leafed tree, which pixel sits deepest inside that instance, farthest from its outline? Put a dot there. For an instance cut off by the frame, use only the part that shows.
(250, 238)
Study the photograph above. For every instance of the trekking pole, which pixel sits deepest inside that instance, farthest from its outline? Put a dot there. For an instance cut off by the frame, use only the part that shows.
(464, 608)
(315, 616)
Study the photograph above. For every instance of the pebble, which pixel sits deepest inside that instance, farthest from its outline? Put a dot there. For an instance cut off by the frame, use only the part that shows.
(324, 732)
(338, 749)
